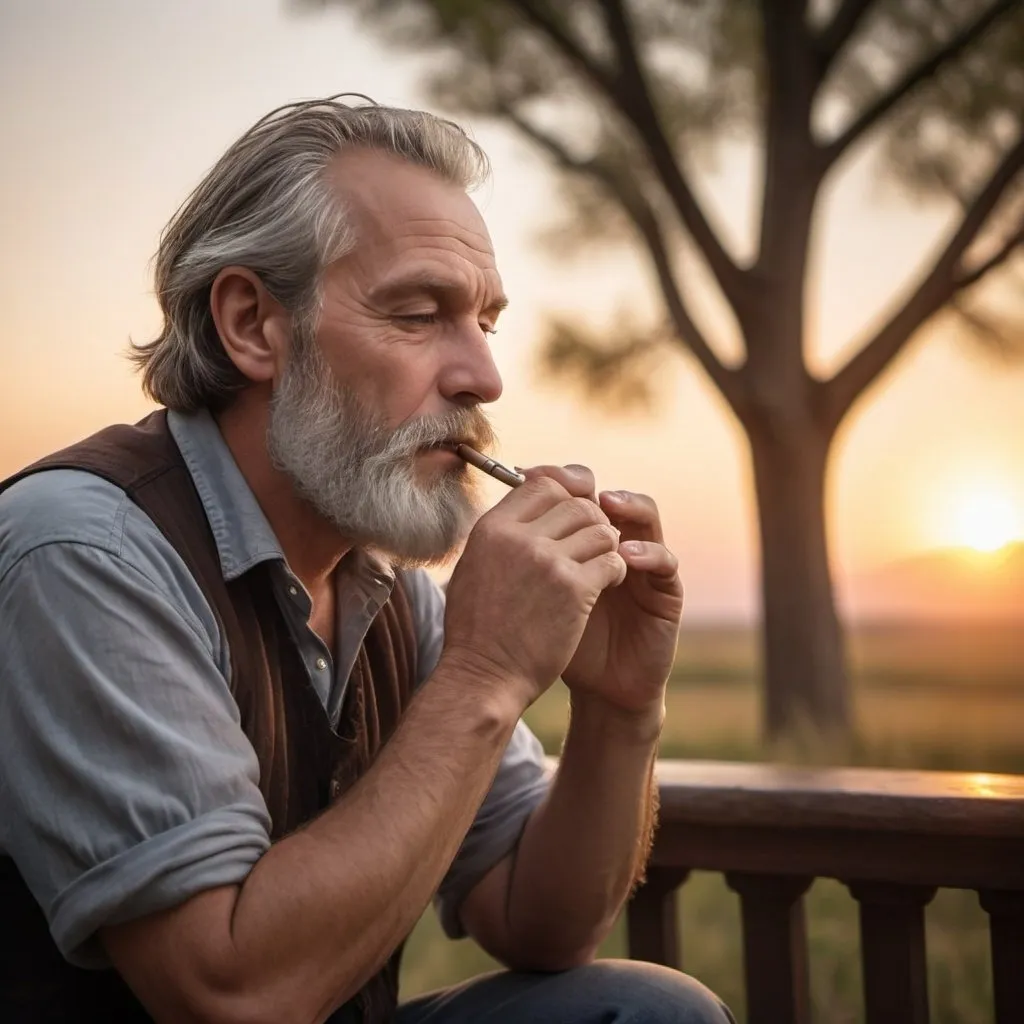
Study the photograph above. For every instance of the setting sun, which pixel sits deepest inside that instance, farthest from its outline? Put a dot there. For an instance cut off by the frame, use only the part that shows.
(986, 521)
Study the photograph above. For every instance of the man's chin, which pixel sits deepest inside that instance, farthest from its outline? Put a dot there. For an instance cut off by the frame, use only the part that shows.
(420, 558)
(414, 548)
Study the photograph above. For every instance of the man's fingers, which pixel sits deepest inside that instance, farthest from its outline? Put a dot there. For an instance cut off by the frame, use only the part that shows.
(567, 517)
(577, 480)
(590, 542)
(636, 515)
(606, 570)
(650, 557)
(531, 500)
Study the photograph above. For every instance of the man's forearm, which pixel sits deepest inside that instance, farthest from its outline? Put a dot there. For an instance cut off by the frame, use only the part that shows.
(586, 845)
(323, 909)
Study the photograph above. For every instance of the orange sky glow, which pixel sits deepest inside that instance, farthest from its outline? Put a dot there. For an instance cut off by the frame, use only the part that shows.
(110, 112)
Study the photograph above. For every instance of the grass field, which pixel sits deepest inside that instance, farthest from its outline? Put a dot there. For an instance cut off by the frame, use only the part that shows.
(949, 697)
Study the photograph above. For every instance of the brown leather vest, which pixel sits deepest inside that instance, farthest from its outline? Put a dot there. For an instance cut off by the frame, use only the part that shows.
(304, 763)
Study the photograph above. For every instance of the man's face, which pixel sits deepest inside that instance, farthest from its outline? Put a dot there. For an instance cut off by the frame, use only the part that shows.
(398, 365)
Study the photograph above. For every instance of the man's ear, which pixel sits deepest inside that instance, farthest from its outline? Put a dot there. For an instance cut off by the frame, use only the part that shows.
(253, 326)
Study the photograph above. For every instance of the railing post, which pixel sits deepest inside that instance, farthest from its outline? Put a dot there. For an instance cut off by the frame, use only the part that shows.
(893, 951)
(652, 920)
(1006, 927)
(774, 947)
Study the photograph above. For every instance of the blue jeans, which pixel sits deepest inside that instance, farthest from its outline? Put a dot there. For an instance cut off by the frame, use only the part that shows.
(603, 992)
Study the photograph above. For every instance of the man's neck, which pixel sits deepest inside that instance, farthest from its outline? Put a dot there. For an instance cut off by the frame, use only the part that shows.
(311, 546)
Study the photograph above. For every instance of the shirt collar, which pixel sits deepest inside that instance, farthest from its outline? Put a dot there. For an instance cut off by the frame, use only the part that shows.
(240, 529)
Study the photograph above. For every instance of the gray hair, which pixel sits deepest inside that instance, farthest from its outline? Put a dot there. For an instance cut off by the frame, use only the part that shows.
(267, 205)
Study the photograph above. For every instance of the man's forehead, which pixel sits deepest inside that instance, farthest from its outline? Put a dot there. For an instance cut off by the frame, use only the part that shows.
(388, 197)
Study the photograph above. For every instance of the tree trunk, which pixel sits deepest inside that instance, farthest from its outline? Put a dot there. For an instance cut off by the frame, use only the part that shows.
(806, 682)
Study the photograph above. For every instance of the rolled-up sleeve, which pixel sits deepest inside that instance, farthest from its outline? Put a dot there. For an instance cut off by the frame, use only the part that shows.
(519, 786)
(126, 782)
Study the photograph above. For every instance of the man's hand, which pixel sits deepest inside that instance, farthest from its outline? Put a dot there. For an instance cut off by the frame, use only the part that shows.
(529, 579)
(626, 652)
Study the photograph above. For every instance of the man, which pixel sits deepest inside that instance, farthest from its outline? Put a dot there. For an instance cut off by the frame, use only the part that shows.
(243, 741)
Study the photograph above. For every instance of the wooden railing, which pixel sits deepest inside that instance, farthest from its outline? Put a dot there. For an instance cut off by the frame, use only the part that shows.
(892, 837)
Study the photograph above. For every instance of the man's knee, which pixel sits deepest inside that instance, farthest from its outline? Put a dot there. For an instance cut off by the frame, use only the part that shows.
(644, 993)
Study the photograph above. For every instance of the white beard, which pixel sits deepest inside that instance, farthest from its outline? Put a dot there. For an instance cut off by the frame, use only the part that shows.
(361, 476)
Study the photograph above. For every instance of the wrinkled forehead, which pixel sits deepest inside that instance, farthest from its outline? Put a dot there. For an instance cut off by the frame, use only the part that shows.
(396, 206)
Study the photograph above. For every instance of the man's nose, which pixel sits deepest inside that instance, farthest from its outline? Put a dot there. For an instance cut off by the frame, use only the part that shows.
(471, 376)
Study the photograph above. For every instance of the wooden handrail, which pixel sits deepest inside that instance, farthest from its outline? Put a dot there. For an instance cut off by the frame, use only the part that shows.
(892, 836)
(960, 803)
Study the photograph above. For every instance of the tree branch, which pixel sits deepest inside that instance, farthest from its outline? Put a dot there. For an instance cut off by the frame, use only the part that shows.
(644, 220)
(987, 331)
(937, 287)
(915, 76)
(634, 99)
(998, 258)
(537, 15)
(835, 35)
(628, 93)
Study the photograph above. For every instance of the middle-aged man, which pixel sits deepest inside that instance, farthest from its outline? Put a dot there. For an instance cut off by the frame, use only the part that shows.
(243, 739)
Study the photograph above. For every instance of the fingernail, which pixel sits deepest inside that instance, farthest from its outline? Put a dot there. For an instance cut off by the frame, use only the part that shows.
(620, 496)
(631, 547)
(577, 470)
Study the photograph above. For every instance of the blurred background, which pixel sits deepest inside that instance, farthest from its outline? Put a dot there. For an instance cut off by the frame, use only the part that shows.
(773, 278)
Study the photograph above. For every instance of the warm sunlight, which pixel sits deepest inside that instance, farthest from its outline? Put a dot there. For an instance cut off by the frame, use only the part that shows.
(986, 521)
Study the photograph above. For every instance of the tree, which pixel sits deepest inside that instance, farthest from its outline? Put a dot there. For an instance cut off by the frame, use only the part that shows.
(620, 95)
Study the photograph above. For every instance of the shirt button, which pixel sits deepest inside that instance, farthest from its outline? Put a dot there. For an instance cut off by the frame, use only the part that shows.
(293, 590)
(321, 663)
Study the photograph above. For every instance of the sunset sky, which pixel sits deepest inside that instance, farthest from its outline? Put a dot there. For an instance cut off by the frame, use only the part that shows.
(111, 111)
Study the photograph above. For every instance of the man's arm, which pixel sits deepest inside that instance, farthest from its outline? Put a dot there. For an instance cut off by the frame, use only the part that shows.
(550, 905)
(324, 908)
(520, 785)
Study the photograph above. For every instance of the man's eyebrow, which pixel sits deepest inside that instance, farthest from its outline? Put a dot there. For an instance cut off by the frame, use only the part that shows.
(428, 284)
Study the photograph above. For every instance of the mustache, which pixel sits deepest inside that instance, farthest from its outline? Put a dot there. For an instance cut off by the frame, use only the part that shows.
(461, 426)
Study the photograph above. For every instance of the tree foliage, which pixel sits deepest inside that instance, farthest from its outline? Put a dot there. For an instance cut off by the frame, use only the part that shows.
(623, 98)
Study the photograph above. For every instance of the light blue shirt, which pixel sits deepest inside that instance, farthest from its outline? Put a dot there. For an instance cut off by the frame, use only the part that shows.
(127, 785)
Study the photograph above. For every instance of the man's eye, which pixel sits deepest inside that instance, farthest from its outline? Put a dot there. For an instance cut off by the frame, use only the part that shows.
(488, 329)
(417, 318)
